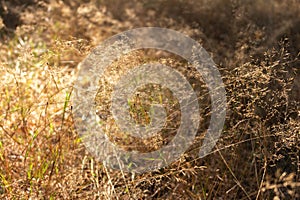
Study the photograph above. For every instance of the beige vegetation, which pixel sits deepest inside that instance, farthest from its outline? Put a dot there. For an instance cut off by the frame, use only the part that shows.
(255, 45)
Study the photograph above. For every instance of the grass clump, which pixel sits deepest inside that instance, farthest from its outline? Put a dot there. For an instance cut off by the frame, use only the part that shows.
(255, 47)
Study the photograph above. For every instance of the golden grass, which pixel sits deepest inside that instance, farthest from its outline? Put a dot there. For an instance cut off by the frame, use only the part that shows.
(256, 48)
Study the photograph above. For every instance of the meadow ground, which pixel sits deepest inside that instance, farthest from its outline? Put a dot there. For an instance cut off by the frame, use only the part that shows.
(255, 45)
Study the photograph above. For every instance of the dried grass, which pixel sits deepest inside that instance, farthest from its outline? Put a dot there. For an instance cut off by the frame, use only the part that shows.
(256, 47)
